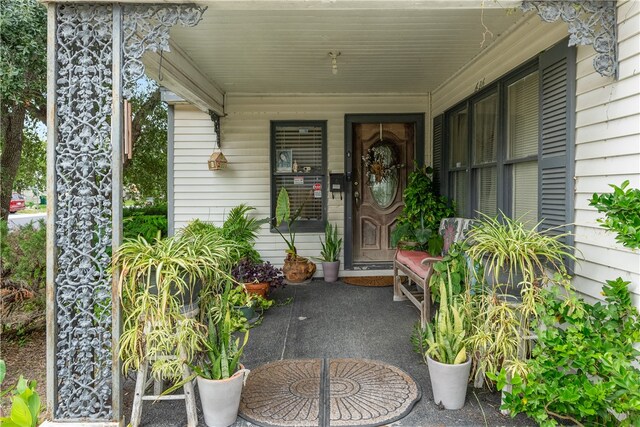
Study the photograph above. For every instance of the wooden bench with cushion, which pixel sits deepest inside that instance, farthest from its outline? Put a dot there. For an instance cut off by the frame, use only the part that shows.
(417, 266)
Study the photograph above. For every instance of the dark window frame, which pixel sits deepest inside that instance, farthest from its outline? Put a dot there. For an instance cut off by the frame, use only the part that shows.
(300, 226)
(504, 182)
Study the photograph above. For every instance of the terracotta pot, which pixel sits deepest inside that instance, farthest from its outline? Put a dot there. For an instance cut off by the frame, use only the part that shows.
(257, 288)
(298, 269)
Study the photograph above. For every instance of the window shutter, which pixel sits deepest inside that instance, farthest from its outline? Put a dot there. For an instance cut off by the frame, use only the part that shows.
(556, 155)
(438, 157)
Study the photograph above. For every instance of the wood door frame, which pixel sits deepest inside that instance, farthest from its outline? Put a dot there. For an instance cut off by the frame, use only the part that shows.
(418, 119)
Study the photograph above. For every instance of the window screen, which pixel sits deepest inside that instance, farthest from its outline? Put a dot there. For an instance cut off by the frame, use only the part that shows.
(298, 164)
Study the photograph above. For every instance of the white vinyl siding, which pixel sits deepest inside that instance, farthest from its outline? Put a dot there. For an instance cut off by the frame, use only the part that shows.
(607, 152)
(607, 132)
(200, 193)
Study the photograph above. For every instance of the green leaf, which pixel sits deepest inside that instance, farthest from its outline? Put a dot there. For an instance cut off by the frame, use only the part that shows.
(283, 210)
(3, 370)
(20, 413)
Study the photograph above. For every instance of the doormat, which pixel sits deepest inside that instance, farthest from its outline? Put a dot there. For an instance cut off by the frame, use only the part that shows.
(376, 281)
(327, 392)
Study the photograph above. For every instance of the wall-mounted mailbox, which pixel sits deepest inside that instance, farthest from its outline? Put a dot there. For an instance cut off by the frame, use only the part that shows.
(336, 184)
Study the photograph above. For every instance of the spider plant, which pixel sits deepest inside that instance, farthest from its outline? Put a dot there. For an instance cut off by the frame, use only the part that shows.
(508, 247)
(155, 282)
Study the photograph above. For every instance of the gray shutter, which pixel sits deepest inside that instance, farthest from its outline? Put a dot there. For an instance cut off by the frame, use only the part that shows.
(438, 158)
(556, 159)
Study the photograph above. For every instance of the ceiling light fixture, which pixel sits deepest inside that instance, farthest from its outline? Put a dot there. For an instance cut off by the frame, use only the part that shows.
(334, 62)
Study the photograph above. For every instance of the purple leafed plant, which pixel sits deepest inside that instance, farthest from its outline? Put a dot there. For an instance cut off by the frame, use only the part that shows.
(248, 271)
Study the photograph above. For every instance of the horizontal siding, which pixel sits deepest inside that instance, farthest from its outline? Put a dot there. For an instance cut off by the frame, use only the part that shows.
(607, 132)
(607, 152)
(200, 193)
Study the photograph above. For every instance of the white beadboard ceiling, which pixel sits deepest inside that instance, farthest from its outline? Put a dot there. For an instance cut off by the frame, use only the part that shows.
(383, 50)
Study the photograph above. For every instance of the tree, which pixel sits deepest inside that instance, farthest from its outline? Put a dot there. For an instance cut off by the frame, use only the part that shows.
(147, 170)
(32, 172)
(23, 70)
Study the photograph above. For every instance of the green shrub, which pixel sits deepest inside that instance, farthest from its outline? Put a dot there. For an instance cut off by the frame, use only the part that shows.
(146, 226)
(25, 402)
(584, 362)
(23, 253)
(159, 209)
(423, 210)
(622, 210)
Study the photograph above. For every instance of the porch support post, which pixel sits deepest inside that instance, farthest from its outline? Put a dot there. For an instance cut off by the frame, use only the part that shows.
(590, 23)
(94, 52)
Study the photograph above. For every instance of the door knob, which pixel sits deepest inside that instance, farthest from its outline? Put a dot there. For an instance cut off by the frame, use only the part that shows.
(356, 194)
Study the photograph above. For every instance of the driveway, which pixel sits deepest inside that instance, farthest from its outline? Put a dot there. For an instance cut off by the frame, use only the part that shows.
(18, 220)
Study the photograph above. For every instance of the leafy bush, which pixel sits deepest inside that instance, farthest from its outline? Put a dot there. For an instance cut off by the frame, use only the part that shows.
(145, 221)
(23, 253)
(452, 271)
(238, 228)
(584, 363)
(423, 209)
(158, 209)
(25, 402)
(622, 210)
(146, 226)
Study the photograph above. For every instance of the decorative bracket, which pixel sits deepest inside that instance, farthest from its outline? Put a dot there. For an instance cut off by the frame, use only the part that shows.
(215, 118)
(590, 23)
(146, 27)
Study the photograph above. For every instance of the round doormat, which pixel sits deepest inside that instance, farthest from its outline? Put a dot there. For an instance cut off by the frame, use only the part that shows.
(376, 281)
(323, 392)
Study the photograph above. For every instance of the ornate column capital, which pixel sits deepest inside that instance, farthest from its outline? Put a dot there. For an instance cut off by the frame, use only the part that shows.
(590, 22)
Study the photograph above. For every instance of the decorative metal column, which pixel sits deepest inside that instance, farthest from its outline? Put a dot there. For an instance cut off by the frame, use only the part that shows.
(591, 22)
(95, 52)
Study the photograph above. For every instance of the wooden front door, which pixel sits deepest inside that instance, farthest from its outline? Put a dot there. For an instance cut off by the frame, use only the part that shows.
(378, 185)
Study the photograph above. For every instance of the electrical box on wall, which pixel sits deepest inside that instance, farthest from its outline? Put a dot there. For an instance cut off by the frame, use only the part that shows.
(336, 184)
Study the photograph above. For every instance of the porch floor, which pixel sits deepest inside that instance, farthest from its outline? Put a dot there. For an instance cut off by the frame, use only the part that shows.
(334, 320)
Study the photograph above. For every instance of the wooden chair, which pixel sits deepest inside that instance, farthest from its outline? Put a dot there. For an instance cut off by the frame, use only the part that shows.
(417, 266)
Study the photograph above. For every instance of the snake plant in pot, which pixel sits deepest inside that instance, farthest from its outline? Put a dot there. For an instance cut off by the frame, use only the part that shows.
(330, 253)
(296, 268)
(443, 346)
(218, 371)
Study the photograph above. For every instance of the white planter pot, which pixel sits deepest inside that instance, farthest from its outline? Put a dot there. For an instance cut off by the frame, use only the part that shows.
(449, 382)
(221, 398)
(330, 270)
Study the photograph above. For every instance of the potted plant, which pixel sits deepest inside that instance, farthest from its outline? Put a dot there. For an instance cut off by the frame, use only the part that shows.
(248, 305)
(258, 277)
(513, 254)
(329, 256)
(218, 371)
(296, 268)
(446, 353)
(158, 286)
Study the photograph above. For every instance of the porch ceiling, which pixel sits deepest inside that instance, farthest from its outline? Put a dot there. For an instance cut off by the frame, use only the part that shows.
(383, 50)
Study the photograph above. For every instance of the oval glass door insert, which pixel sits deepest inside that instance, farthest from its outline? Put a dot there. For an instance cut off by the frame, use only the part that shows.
(383, 186)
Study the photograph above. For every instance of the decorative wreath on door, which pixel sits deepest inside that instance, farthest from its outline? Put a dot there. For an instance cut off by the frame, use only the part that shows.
(380, 162)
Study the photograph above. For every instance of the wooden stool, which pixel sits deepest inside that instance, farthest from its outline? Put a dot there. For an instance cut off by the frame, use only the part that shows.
(142, 383)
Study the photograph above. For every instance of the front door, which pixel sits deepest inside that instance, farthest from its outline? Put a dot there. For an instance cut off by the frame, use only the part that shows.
(383, 155)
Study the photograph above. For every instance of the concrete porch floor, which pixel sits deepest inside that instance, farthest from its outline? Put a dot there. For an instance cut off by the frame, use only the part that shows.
(334, 320)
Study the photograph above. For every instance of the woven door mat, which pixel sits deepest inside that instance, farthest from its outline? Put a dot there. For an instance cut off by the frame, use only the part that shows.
(373, 281)
(323, 392)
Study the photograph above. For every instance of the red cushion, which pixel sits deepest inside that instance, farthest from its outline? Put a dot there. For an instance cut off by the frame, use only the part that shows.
(413, 260)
